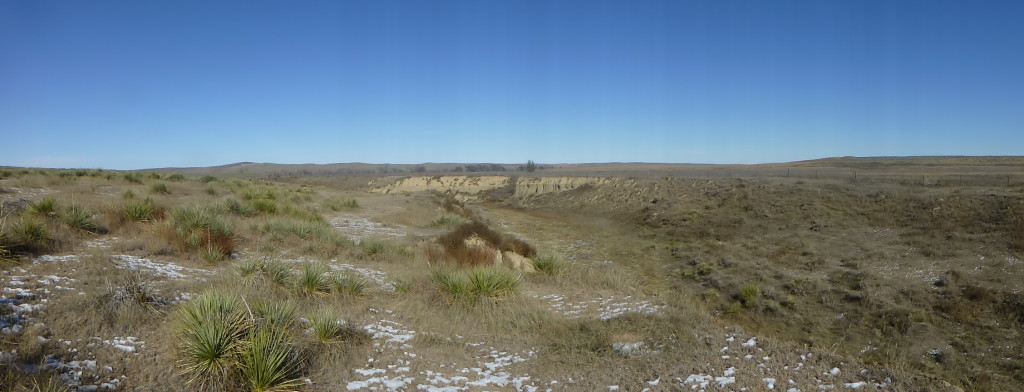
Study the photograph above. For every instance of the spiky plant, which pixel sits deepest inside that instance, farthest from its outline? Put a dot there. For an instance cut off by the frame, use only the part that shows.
(138, 210)
(278, 272)
(325, 326)
(373, 247)
(313, 279)
(268, 362)
(78, 218)
(31, 235)
(348, 285)
(210, 329)
(51, 384)
(45, 207)
(274, 314)
(550, 264)
(451, 282)
(493, 281)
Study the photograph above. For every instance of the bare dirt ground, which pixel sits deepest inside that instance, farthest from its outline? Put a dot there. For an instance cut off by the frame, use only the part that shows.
(732, 284)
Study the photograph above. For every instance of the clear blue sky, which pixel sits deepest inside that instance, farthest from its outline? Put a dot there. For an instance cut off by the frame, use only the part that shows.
(141, 84)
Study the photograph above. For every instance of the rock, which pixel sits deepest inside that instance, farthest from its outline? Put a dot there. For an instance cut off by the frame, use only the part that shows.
(517, 262)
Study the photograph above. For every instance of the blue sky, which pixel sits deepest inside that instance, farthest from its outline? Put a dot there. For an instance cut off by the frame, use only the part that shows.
(142, 84)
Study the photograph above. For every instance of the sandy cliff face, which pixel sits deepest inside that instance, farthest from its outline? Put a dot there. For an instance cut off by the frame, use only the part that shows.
(457, 184)
(470, 186)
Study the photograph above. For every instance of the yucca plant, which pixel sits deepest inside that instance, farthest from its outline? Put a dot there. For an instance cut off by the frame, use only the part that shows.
(373, 247)
(274, 314)
(159, 187)
(45, 207)
(313, 279)
(268, 362)
(452, 282)
(278, 272)
(31, 235)
(197, 228)
(210, 329)
(325, 326)
(550, 264)
(138, 210)
(493, 281)
(51, 384)
(348, 285)
(78, 218)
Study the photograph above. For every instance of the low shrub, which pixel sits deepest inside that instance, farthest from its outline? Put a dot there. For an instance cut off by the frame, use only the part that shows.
(448, 220)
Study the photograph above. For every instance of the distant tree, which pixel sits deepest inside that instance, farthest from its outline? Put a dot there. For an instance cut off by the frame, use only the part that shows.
(530, 166)
(421, 169)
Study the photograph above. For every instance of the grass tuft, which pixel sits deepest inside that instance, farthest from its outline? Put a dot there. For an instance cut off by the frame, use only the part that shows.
(550, 264)
(159, 187)
(32, 236)
(325, 326)
(313, 279)
(274, 314)
(209, 330)
(268, 362)
(493, 281)
(199, 229)
(47, 207)
(138, 210)
(350, 286)
(448, 220)
(78, 218)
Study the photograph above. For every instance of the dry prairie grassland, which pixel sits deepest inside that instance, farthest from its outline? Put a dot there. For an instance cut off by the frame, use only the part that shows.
(167, 281)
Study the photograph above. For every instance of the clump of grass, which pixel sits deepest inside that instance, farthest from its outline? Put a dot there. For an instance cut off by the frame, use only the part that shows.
(325, 326)
(197, 228)
(209, 330)
(210, 191)
(128, 194)
(159, 187)
(493, 281)
(236, 207)
(176, 177)
(134, 178)
(51, 384)
(278, 272)
(749, 294)
(402, 286)
(348, 285)
(78, 218)
(274, 314)
(47, 207)
(373, 247)
(313, 279)
(339, 203)
(138, 210)
(448, 220)
(550, 264)
(32, 236)
(452, 282)
(265, 206)
(211, 254)
(268, 363)
(207, 179)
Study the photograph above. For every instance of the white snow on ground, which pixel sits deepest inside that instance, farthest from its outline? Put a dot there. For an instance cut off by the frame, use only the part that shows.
(357, 227)
(389, 336)
(159, 268)
(602, 308)
(55, 259)
(767, 371)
